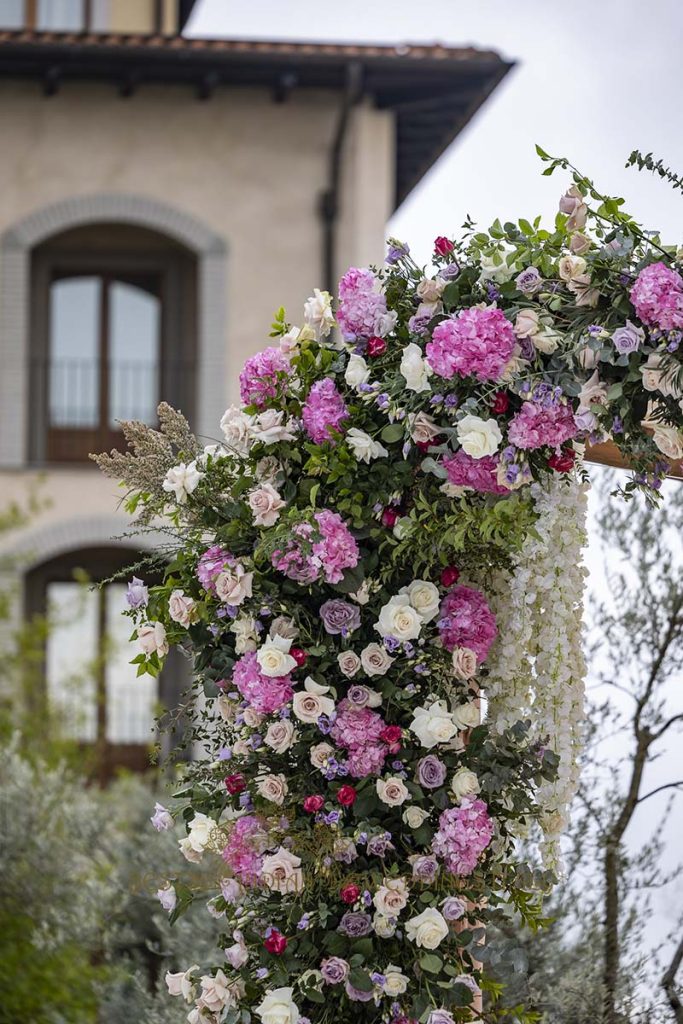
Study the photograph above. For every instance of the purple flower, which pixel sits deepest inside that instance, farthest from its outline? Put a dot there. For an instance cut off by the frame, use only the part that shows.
(453, 908)
(380, 845)
(357, 995)
(397, 250)
(431, 772)
(529, 281)
(162, 819)
(340, 617)
(303, 922)
(137, 594)
(628, 339)
(358, 695)
(425, 868)
(355, 924)
(440, 1017)
(334, 970)
(449, 272)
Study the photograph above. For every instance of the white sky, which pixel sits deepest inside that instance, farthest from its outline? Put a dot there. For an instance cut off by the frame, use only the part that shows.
(594, 80)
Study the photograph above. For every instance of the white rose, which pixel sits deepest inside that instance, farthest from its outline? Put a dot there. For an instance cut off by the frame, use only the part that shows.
(233, 585)
(273, 788)
(182, 480)
(414, 816)
(357, 371)
(465, 783)
(216, 992)
(252, 718)
(362, 446)
(308, 707)
(375, 660)
(278, 1007)
(414, 369)
(423, 427)
(392, 791)
(349, 663)
(546, 340)
(499, 271)
(467, 716)
(190, 854)
(478, 437)
(424, 598)
(320, 755)
(571, 267)
(265, 504)
(464, 663)
(279, 736)
(430, 289)
(283, 626)
(526, 323)
(236, 425)
(270, 426)
(274, 658)
(434, 724)
(181, 984)
(181, 608)
(152, 639)
(384, 927)
(395, 983)
(399, 619)
(391, 897)
(318, 313)
(282, 873)
(385, 323)
(237, 954)
(428, 929)
(246, 635)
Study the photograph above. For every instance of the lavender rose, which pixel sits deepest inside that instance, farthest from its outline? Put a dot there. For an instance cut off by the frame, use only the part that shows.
(529, 281)
(440, 1017)
(425, 869)
(357, 995)
(431, 772)
(379, 845)
(334, 970)
(453, 908)
(628, 338)
(355, 924)
(137, 594)
(340, 617)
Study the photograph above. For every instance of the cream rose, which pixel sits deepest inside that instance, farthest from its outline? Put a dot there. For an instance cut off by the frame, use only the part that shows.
(414, 369)
(392, 791)
(357, 371)
(466, 716)
(279, 736)
(182, 480)
(434, 724)
(278, 1007)
(478, 437)
(399, 619)
(391, 897)
(181, 608)
(308, 707)
(362, 446)
(428, 929)
(246, 635)
(320, 755)
(152, 639)
(265, 504)
(282, 872)
(233, 585)
(252, 718)
(384, 927)
(571, 267)
(274, 658)
(424, 598)
(414, 816)
(430, 289)
(181, 984)
(318, 313)
(527, 323)
(546, 340)
(465, 783)
(349, 663)
(422, 427)
(236, 427)
(464, 663)
(375, 660)
(395, 983)
(269, 427)
(273, 788)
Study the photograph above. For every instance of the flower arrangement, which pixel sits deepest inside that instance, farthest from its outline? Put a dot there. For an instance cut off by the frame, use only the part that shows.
(390, 526)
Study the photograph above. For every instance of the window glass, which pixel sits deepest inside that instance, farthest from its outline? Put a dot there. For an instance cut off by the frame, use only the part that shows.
(130, 700)
(71, 658)
(11, 14)
(60, 15)
(74, 351)
(134, 350)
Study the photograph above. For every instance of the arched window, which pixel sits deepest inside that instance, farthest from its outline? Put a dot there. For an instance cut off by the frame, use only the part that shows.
(90, 685)
(112, 332)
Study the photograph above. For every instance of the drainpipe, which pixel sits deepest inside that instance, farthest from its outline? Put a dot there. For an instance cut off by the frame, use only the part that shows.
(329, 204)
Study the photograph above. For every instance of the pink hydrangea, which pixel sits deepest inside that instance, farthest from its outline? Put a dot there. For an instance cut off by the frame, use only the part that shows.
(211, 564)
(324, 410)
(657, 297)
(465, 620)
(262, 376)
(358, 730)
(479, 474)
(360, 305)
(476, 342)
(241, 851)
(264, 694)
(463, 835)
(537, 425)
(306, 557)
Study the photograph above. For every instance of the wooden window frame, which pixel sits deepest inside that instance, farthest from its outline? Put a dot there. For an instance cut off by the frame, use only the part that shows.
(31, 15)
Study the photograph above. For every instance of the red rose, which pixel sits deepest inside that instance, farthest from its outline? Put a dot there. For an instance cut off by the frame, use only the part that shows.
(443, 245)
(501, 403)
(346, 795)
(376, 347)
(450, 575)
(276, 943)
(563, 462)
(389, 518)
(424, 446)
(312, 804)
(235, 783)
(299, 655)
(349, 893)
(391, 735)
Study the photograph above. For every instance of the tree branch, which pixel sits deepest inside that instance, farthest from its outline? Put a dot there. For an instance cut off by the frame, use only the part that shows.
(669, 983)
(668, 785)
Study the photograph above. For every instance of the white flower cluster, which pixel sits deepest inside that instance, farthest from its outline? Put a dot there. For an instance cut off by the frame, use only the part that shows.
(537, 659)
